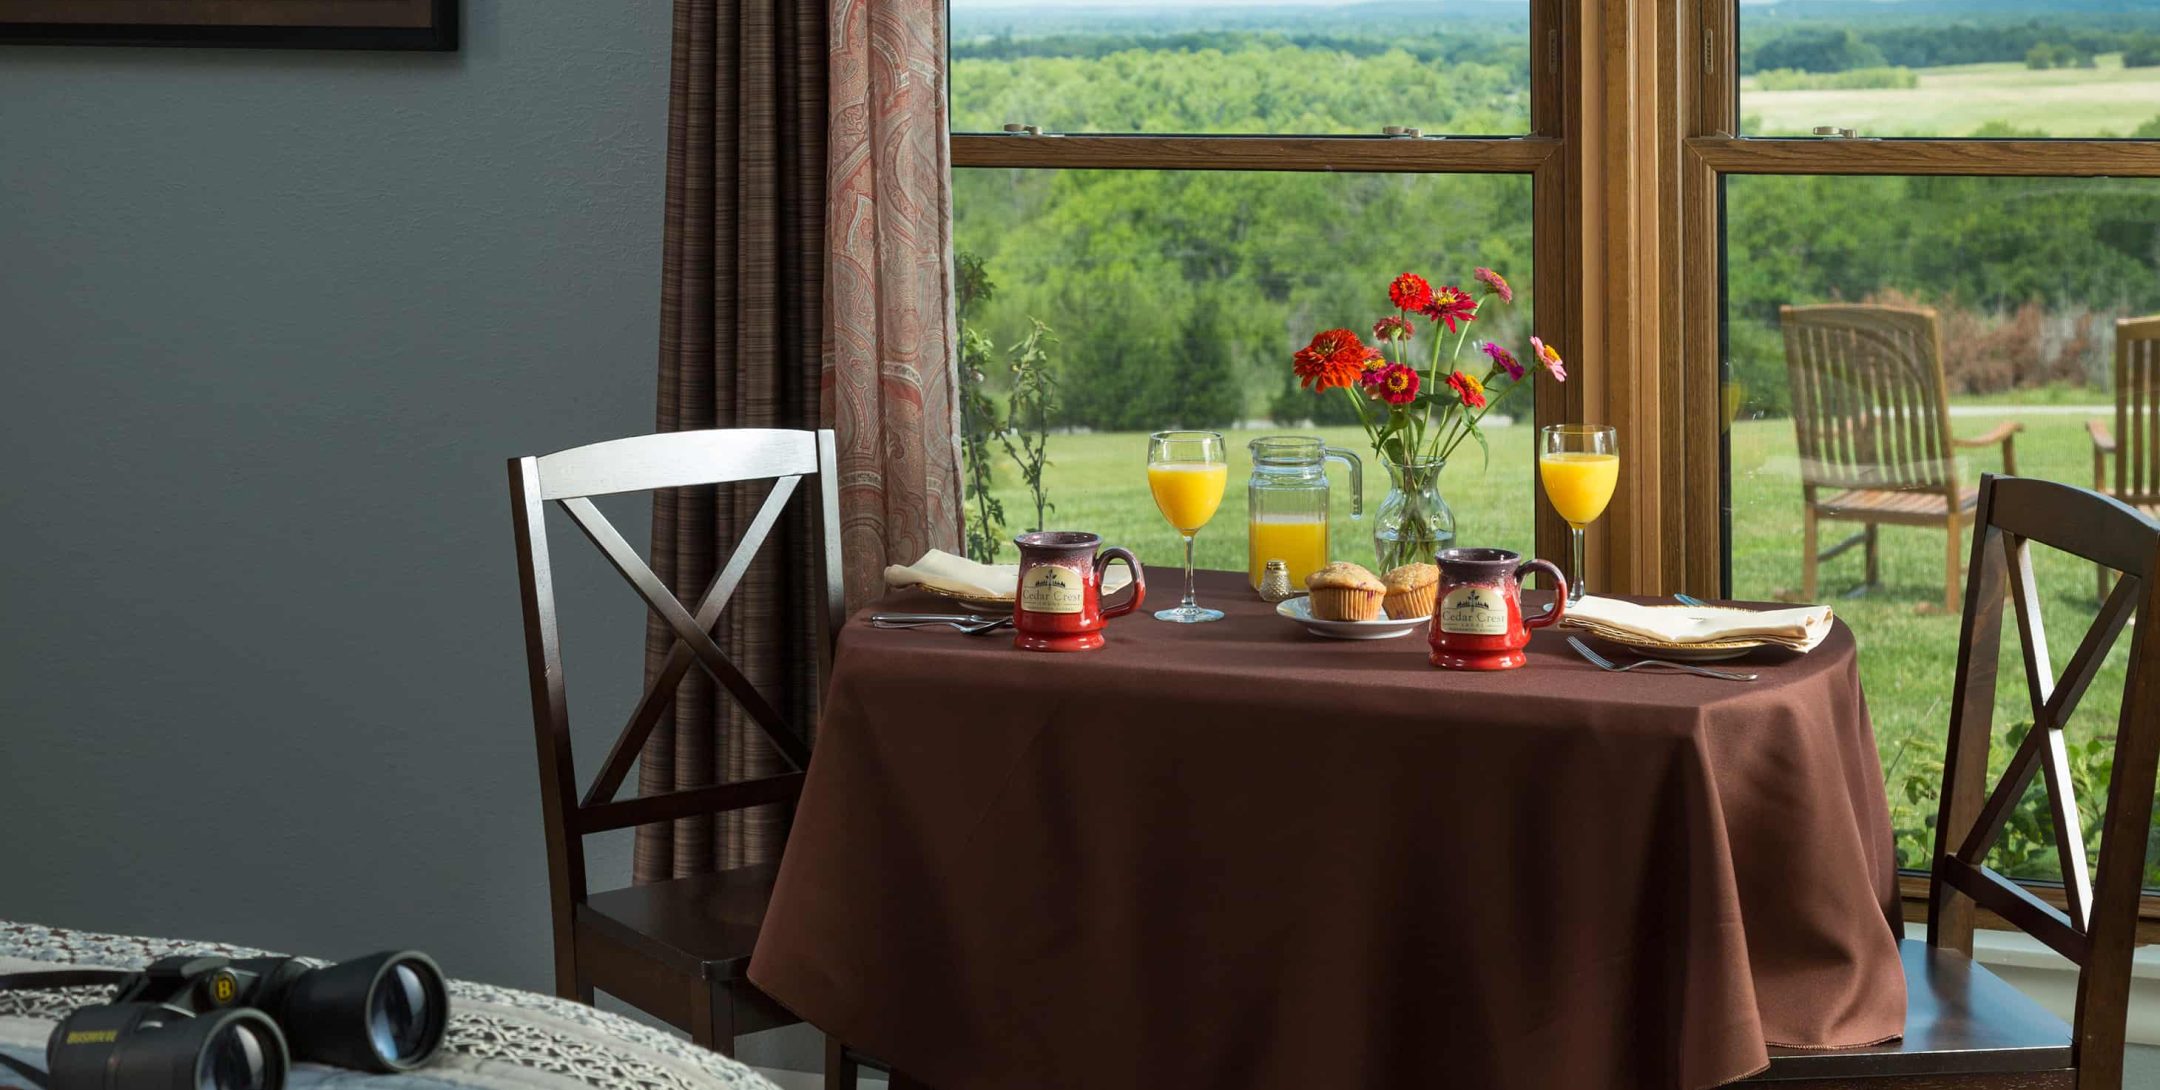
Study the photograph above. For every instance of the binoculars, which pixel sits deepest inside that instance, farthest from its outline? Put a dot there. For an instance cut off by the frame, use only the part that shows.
(209, 1023)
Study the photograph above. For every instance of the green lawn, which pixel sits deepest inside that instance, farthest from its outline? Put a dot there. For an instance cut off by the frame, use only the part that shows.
(1908, 643)
(1955, 100)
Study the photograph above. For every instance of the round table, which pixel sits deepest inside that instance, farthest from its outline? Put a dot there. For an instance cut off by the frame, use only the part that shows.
(1236, 855)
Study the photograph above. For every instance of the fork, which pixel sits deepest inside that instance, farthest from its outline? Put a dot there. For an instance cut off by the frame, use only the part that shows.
(1603, 663)
(968, 623)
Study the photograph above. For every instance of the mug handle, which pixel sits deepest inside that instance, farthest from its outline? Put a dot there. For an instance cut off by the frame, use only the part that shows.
(1139, 580)
(1559, 582)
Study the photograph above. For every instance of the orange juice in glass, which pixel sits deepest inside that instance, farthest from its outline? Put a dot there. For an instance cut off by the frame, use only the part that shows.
(1299, 542)
(1579, 465)
(1579, 484)
(1187, 493)
(1186, 472)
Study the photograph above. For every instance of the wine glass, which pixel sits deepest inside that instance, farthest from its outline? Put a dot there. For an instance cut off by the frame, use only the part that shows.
(1579, 464)
(1186, 471)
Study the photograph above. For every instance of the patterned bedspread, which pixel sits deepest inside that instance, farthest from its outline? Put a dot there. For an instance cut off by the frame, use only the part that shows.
(498, 1039)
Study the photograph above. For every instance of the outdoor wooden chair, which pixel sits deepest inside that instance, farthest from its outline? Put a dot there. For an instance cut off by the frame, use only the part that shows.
(1966, 1027)
(1874, 432)
(2135, 443)
(677, 949)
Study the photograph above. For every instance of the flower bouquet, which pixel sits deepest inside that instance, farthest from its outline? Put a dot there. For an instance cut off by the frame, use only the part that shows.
(1416, 418)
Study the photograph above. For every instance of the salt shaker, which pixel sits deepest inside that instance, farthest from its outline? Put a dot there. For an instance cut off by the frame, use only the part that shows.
(1275, 582)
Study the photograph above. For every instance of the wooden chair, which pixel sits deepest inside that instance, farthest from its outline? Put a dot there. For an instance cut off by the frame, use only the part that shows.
(1874, 431)
(677, 949)
(2137, 423)
(1964, 1026)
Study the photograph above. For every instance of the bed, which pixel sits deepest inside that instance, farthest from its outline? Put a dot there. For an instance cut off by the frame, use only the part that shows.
(498, 1038)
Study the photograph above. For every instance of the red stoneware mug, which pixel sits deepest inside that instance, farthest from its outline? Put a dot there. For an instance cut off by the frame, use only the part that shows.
(1477, 621)
(1059, 607)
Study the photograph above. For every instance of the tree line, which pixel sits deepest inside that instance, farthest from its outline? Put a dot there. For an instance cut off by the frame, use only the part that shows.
(2053, 44)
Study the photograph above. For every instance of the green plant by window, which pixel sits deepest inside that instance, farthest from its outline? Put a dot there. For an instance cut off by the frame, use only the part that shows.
(1032, 404)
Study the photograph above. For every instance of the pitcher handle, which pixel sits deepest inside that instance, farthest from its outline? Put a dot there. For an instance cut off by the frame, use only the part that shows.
(1139, 580)
(1357, 478)
(1559, 582)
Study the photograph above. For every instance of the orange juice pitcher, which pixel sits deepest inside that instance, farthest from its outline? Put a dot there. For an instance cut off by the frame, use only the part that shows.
(1287, 518)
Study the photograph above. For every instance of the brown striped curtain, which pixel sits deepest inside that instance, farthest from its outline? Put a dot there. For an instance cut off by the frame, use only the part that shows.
(785, 307)
(741, 325)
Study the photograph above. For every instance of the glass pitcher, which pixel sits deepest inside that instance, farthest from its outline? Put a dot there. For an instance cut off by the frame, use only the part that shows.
(1288, 512)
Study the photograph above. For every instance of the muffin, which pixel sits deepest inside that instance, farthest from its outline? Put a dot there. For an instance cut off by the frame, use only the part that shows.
(1345, 592)
(1411, 590)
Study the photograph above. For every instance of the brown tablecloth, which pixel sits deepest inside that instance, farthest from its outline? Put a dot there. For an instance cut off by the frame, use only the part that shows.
(1235, 855)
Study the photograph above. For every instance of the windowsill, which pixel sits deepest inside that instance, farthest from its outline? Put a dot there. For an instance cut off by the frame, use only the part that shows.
(2051, 980)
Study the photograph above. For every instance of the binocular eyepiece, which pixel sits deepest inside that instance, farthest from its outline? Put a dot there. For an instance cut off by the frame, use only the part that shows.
(212, 1024)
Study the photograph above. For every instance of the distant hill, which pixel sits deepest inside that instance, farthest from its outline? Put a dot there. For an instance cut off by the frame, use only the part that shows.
(999, 17)
(1370, 16)
(1906, 10)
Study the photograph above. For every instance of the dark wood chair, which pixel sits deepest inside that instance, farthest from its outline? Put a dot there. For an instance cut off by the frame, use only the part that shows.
(1873, 426)
(1965, 1027)
(2134, 444)
(677, 949)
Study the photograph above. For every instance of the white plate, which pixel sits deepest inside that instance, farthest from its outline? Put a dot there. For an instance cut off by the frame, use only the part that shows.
(1382, 628)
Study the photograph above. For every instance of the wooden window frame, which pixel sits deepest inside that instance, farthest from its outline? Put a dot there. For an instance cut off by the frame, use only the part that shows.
(1704, 83)
(1549, 154)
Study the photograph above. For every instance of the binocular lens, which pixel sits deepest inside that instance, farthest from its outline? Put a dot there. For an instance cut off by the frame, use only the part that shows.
(238, 1057)
(149, 1046)
(401, 1016)
(381, 1013)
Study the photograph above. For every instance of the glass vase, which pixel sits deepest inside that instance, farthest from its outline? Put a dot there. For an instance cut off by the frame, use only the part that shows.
(1414, 521)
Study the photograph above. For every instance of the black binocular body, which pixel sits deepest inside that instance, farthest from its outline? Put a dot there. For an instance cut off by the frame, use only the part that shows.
(210, 1023)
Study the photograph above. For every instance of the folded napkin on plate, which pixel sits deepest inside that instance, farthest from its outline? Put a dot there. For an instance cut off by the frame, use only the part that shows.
(1799, 628)
(945, 573)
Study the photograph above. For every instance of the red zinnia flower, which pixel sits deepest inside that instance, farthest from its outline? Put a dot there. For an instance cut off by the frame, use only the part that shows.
(1469, 389)
(1392, 329)
(1549, 357)
(1334, 358)
(1496, 282)
(1410, 292)
(1394, 384)
(1504, 360)
(1450, 305)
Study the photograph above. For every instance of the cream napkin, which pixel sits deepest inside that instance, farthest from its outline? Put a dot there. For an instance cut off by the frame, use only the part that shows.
(1800, 628)
(945, 573)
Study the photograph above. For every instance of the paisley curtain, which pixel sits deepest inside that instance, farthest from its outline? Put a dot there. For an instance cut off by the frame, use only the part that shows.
(888, 383)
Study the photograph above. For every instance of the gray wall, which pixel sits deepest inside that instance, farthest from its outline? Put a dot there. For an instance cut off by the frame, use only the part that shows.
(270, 323)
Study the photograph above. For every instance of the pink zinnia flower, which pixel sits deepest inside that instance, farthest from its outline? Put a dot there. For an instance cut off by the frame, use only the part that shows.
(1504, 360)
(1450, 305)
(1394, 384)
(1496, 282)
(1549, 357)
(1392, 329)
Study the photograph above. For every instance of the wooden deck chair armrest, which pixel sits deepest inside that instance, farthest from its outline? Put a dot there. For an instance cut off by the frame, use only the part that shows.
(2103, 438)
(2103, 444)
(2003, 434)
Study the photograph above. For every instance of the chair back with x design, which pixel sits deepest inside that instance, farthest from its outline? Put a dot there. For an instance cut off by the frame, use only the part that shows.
(646, 463)
(2095, 927)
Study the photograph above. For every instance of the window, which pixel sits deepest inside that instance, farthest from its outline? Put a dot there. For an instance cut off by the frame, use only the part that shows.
(1220, 66)
(1209, 187)
(1964, 206)
(1951, 70)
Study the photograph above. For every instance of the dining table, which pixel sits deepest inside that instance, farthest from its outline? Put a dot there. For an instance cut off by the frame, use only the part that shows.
(1238, 855)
